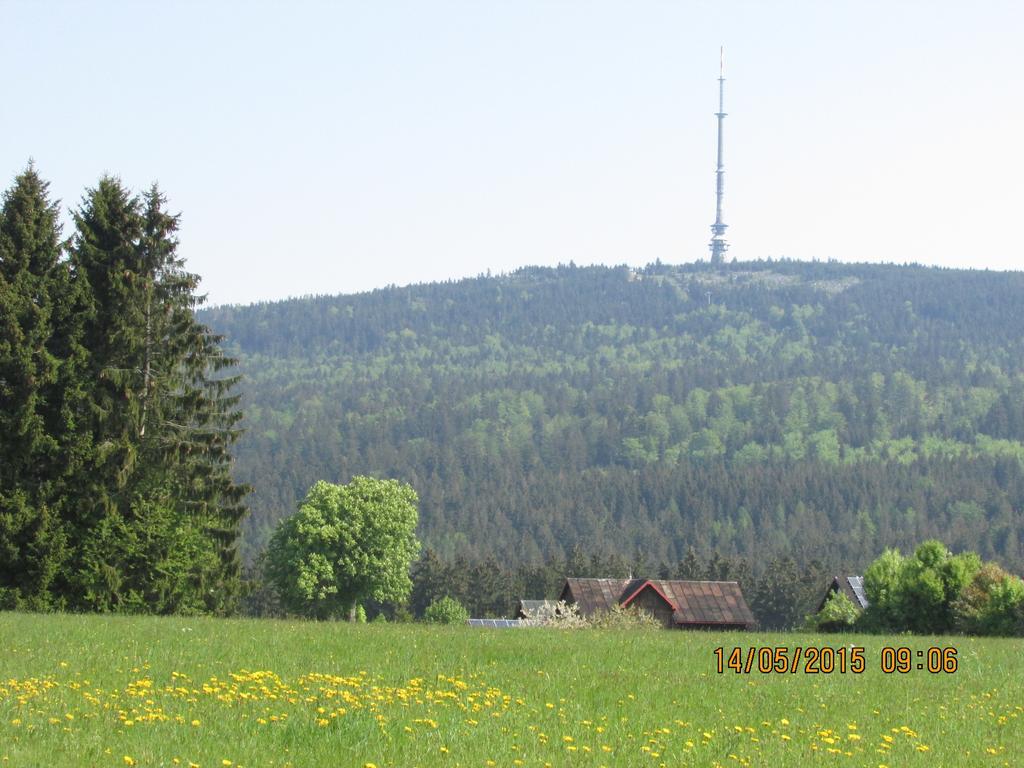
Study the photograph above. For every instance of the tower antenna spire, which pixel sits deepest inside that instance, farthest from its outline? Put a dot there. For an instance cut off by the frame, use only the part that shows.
(718, 244)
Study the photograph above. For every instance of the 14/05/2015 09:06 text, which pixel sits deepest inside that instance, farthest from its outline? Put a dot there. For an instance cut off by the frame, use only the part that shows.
(825, 660)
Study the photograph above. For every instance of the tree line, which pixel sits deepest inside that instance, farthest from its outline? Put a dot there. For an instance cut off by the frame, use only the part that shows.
(931, 591)
(781, 596)
(823, 411)
(118, 412)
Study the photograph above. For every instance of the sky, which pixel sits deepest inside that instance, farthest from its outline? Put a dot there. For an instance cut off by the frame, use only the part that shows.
(324, 148)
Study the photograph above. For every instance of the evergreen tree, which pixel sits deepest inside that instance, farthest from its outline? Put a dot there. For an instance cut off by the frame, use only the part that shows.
(186, 400)
(36, 353)
(158, 512)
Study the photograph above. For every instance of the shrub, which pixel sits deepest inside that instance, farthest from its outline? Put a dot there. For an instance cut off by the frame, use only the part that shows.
(447, 610)
(563, 615)
(991, 603)
(624, 618)
(560, 615)
(837, 614)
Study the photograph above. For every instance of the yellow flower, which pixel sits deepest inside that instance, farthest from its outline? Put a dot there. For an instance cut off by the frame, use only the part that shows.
(128, 760)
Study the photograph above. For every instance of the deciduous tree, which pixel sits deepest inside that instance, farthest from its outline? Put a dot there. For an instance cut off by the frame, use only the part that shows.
(345, 544)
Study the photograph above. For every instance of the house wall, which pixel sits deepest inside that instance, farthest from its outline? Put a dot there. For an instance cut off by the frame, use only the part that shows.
(649, 601)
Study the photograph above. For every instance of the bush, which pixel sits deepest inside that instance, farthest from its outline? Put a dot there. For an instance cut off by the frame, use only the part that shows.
(837, 614)
(563, 615)
(560, 615)
(624, 618)
(447, 610)
(991, 603)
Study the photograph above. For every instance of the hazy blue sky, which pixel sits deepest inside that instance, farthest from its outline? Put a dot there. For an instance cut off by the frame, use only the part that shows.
(338, 147)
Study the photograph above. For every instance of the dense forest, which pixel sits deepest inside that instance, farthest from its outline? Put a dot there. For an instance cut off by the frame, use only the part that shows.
(822, 411)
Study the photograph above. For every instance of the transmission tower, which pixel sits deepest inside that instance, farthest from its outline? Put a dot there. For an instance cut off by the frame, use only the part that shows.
(718, 245)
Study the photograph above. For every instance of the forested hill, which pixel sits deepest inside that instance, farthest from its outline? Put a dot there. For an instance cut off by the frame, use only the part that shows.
(818, 409)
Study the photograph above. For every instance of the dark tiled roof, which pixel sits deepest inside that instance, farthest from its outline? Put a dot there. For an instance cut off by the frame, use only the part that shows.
(693, 602)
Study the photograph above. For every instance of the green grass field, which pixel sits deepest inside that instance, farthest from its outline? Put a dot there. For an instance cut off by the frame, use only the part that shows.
(112, 691)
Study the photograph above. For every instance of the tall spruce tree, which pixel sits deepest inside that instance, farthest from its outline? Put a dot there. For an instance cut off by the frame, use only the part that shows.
(188, 400)
(159, 513)
(39, 357)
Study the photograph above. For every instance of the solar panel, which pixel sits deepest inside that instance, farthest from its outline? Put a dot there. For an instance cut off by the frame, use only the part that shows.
(498, 623)
(857, 585)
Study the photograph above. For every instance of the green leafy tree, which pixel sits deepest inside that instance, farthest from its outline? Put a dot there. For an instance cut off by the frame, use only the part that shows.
(345, 544)
(883, 585)
(917, 593)
(932, 580)
(446, 610)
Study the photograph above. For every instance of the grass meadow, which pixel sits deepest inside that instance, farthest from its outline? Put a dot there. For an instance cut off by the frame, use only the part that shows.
(117, 691)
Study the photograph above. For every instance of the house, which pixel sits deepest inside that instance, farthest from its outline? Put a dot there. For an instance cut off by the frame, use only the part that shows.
(680, 604)
(851, 586)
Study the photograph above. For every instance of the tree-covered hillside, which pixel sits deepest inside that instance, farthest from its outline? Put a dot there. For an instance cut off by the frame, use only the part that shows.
(823, 410)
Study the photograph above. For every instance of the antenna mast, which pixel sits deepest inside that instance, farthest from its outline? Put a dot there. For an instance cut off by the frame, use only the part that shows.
(718, 245)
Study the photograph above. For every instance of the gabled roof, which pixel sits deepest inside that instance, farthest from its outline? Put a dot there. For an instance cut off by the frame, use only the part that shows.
(851, 586)
(699, 603)
(647, 584)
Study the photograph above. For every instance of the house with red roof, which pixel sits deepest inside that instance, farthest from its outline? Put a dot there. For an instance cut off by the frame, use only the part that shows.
(676, 604)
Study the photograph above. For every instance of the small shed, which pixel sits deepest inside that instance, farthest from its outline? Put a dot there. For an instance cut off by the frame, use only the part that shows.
(851, 586)
(676, 604)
